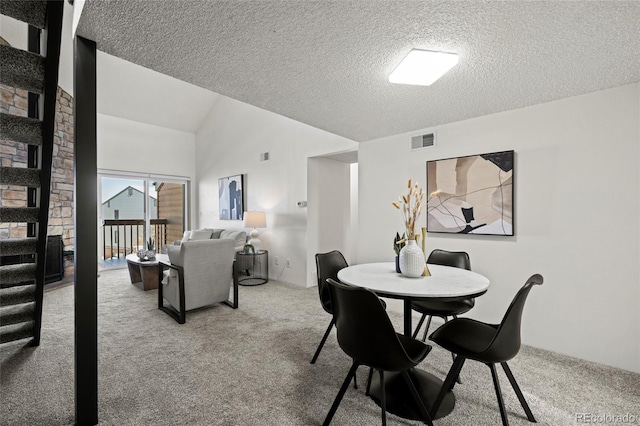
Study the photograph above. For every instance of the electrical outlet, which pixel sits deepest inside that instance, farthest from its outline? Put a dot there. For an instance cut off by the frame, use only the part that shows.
(287, 263)
(275, 260)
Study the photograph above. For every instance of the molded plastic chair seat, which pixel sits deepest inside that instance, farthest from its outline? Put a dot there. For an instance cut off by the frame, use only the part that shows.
(437, 308)
(415, 349)
(477, 338)
(489, 344)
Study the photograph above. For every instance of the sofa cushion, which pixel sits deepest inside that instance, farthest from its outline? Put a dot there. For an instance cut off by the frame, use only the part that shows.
(201, 234)
(240, 237)
(216, 233)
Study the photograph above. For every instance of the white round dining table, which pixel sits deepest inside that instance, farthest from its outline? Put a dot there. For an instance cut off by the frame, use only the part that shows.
(446, 283)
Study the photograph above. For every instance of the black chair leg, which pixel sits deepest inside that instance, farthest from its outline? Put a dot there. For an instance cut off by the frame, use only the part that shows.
(496, 385)
(415, 333)
(417, 399)
(516, 388)
(458, 373)
(324, 339)
(383, 399)
(453, 356)
(368, 392)
(343, 389)
(426, 330)
(448, 384)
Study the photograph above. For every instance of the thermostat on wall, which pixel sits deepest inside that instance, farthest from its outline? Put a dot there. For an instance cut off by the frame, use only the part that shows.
(302, 204)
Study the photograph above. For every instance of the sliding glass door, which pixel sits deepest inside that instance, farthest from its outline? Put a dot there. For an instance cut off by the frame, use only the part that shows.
(135, 210)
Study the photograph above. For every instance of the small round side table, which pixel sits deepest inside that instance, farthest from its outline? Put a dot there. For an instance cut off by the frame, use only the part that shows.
(253, 269)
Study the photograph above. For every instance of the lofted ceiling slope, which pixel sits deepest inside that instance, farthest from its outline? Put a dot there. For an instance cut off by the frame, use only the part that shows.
(326, 63)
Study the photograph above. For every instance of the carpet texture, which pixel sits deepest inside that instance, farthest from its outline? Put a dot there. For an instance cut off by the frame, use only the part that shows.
(251, 367)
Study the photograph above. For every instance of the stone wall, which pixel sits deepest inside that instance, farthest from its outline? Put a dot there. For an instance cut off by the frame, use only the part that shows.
(14, 154)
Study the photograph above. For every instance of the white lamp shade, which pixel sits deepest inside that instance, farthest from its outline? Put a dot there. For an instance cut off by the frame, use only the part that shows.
(255, 220)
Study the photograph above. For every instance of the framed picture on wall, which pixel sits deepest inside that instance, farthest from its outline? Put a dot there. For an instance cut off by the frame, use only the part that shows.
(230, 196)
(471, 195)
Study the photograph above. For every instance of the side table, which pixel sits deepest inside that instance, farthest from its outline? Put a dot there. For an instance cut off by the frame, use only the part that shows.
(253, 269)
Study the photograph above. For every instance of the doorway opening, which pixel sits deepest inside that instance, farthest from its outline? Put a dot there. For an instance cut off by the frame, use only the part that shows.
(332, 215)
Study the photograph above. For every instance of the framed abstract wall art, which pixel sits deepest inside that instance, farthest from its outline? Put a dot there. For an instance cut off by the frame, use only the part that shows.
(471, 195)
(230, 195)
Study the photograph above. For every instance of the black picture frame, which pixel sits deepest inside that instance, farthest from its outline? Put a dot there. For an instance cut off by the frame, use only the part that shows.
(231, 197)
(472, 194)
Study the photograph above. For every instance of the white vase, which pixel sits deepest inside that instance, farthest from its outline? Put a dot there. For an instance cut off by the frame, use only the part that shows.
(411, 260)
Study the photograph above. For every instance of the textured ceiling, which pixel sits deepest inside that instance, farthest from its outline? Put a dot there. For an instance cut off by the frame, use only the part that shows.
(325, 63)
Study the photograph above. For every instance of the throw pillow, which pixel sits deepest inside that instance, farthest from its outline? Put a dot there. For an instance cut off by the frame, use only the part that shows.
(201, 234)
(240, 237)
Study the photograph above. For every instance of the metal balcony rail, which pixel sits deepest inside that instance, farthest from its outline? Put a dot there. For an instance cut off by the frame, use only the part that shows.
(121, 237)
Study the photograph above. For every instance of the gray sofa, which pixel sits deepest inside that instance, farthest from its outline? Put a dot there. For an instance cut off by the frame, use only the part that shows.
(237, 235)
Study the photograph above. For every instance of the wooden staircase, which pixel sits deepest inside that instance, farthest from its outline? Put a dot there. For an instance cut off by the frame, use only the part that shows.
(36, 70)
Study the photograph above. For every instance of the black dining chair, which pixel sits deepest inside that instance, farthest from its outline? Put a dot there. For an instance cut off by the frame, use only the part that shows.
(366, 334)
(487, 343)
(327, 266)
(431, 308)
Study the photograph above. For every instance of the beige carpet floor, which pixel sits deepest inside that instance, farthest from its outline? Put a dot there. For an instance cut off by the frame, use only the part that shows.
(251, 367)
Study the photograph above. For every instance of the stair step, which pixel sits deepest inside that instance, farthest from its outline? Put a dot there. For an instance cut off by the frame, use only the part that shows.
(31, 12)
(17, 246)
(17, 313)
(17, 295)
(12, 275)
(21, 69)
(21, 129)
(14, 332)
(20, 176)
(19, 214)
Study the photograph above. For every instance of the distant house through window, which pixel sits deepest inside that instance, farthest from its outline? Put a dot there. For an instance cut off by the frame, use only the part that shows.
(116, 214)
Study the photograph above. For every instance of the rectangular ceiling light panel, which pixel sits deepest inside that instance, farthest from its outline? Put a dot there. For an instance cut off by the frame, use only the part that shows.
(423, 67)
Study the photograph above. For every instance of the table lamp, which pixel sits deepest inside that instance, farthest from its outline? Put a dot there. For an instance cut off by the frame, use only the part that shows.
(255, 220)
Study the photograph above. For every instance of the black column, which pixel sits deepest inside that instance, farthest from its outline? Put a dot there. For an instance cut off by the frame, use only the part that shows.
(86, 243)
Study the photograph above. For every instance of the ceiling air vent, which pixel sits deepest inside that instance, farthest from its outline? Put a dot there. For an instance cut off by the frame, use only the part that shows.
(423, 141)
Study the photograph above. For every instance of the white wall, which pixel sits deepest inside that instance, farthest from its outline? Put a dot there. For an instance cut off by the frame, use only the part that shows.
(66, 68)
(230, 142)
(130, 146)
(15, 32)
(577, 198)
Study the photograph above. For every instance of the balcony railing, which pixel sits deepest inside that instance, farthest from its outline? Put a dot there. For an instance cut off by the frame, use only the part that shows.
(121, 237)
